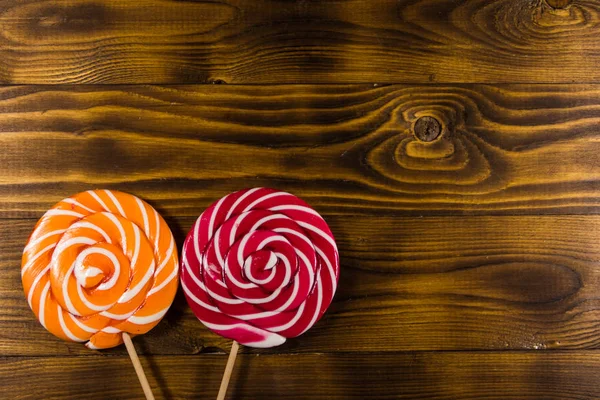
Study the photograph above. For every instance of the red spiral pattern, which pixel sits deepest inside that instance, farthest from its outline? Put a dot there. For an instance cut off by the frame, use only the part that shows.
(259, 266)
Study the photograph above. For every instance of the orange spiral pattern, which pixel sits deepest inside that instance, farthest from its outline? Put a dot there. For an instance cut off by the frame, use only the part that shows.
(98, 264)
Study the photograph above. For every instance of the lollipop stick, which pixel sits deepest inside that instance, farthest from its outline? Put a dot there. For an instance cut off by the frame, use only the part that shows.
(138, 367)
(228, 369)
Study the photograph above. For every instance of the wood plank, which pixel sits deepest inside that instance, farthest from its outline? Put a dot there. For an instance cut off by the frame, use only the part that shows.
(437, 283)
(443, 376)
(269, 41)
(345, 149)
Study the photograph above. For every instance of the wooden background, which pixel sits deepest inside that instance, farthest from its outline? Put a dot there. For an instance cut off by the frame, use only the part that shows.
(470, 264)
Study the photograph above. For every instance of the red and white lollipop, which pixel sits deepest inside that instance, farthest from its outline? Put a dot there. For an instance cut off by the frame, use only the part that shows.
(259, 266)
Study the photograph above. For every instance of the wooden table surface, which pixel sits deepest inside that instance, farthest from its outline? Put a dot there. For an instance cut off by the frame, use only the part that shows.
(470, 256)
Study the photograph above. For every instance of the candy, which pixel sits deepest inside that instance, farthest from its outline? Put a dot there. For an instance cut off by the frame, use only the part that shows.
(259, 266)
(98, 264)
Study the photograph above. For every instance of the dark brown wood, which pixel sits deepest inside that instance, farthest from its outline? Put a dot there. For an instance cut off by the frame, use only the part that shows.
(440, 376)
(452, 145)
(262, 41)
(509, 149)
(438, 283)
(558, 3)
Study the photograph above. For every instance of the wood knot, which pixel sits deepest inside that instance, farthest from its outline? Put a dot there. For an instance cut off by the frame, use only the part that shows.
(427, 129)
(558, 3)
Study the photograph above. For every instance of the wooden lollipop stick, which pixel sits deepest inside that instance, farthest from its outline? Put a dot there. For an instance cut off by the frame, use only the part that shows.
(228, 369)
(138, 366)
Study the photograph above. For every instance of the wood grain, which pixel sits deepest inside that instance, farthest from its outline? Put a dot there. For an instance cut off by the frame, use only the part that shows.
(441, 376)
(452, 145)
(437, 283)
(269, 41)
(508, 149)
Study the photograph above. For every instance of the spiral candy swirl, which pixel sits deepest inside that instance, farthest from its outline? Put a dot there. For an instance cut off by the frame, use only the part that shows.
(259, 266)
(97, 264)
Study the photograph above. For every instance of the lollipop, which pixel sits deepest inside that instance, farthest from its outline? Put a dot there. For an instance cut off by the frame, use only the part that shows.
(99, 266)
(259, 266)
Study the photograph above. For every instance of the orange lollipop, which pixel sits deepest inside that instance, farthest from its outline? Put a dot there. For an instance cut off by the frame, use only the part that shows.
(99, 265)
